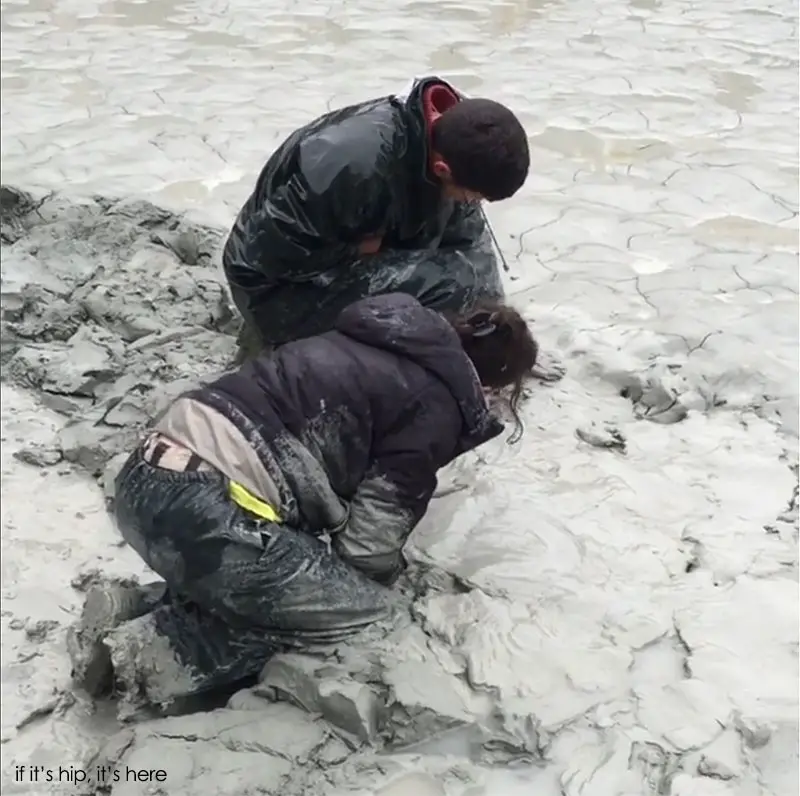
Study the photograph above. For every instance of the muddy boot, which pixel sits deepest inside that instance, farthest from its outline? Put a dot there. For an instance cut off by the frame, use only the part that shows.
(147, 669)
(106, 606)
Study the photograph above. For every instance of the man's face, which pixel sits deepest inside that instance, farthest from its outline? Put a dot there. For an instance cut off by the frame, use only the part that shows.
(450, 189)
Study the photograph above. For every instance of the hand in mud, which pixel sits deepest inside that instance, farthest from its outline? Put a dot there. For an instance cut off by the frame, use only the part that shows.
(548, 367)
(654, 402)
(602, 436)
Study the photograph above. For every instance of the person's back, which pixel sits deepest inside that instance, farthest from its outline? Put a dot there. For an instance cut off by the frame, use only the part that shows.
(358, 420)
(376, 198)
(343, 391)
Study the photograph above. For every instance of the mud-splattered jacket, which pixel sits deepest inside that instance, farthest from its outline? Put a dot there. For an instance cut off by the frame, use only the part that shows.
(353, 425)
(356, 173)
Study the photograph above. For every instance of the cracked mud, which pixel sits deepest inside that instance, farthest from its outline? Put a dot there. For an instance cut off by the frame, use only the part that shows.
(607, 608)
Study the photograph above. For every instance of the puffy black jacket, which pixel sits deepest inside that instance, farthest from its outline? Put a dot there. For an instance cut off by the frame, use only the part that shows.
(355, 173)
(354, 424)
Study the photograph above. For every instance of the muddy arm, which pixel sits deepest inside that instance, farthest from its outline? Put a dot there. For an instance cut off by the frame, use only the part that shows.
(395, 495)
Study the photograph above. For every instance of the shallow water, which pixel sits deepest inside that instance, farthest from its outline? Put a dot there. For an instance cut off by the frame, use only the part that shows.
(659, 226)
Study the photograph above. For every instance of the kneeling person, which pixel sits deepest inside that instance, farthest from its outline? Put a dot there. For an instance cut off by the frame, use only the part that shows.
(275, 501)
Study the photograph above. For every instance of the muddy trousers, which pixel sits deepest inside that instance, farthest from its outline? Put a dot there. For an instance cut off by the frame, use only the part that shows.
(239, 589)
(446, 280)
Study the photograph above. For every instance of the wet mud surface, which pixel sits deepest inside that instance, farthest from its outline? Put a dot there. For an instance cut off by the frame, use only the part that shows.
(616, 609)
(608, 607)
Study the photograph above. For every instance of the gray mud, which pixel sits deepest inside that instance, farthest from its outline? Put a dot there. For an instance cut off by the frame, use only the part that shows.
(609, 608)
(570, 644)
(110, 308)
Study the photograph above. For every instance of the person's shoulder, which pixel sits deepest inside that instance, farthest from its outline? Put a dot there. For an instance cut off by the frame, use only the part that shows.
(354, 140)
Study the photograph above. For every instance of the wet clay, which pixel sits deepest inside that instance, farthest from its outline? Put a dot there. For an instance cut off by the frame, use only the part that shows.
(596, 605)
(109, 310)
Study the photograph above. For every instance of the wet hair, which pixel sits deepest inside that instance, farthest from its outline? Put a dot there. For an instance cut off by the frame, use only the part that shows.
(485, 147)
(500, 344)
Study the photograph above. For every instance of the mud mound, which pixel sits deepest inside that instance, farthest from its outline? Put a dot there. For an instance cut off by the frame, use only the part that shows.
(109, 309)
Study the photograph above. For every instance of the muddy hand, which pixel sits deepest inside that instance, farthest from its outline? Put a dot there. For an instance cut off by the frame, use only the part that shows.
(602, 436)
(548, 367)
(659, 404)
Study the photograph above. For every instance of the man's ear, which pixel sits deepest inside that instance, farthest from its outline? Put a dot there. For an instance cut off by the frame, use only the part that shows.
(440, 168)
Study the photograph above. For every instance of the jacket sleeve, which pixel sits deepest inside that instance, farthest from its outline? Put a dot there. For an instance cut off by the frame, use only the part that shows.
(287, 238)
(450, 277)
(313, 221)
(394, 495)
(467, 230)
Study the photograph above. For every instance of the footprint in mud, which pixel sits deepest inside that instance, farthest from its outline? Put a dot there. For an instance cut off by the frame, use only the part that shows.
(652, 401)
(643, 768)
(34, 631)
(655, 765)
(662, 384)
(39, 631)
(38, 455)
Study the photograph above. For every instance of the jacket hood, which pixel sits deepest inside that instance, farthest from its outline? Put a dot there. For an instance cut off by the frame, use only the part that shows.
(412, 100)
(399, 323)
(411, 95)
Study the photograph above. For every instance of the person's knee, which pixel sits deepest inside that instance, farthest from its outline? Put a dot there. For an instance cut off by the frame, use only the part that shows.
(309, 590)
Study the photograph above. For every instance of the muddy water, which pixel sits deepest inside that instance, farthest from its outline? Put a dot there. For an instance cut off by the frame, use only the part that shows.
(641, 607)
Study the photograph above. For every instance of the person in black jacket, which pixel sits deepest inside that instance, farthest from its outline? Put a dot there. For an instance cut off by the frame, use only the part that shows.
(379, 197)
(275, 501)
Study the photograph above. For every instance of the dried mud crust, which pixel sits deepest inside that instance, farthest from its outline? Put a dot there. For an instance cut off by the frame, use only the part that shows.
(109, 309)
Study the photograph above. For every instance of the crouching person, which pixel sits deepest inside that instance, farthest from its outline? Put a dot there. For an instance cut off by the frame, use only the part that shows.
(275, 502)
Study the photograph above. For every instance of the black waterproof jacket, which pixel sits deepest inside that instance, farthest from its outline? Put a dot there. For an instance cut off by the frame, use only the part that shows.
(354, 424)
(355, 173)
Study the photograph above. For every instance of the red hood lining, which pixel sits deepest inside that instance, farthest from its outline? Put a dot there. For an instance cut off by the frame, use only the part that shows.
(436, 100)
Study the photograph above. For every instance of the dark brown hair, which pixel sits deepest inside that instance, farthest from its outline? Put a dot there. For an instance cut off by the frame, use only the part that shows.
(498, 341)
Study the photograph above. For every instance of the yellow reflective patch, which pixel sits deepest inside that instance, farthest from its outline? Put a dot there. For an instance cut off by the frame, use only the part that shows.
(245, 499)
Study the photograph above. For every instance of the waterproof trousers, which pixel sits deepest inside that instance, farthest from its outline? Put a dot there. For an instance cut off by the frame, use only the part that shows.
(239, 589)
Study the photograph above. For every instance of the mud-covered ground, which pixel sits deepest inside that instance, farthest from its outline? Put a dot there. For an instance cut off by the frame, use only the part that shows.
(607, 608)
